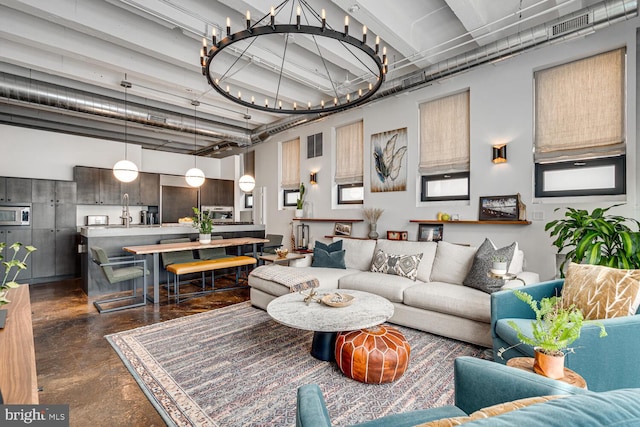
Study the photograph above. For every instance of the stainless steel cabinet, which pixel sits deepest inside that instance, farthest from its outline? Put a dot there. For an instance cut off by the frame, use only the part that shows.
(15, 190)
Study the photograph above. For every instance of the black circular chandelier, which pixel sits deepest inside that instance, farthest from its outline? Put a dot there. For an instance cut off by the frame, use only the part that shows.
(260, 51)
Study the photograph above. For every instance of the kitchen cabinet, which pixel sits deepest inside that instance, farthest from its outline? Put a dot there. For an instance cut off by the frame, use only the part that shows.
(15, 190)
(144, 190)
(88, 181)
(21, 234)
(54, 228)
(217, 192)
(97, 186)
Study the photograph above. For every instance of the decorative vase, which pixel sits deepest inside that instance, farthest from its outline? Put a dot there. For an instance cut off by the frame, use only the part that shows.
(373, 234)
(299, 213)
(204, 238)
(548, 365)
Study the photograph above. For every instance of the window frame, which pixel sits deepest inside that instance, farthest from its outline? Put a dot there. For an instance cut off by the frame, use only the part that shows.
(618, 162)
(425, 179)
(285, 193)
(350, 202)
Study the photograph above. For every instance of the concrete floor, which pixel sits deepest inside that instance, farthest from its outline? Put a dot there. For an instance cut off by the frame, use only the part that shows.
(77, 366)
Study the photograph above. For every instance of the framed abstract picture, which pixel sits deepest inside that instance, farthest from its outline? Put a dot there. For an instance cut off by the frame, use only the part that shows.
(389, 161)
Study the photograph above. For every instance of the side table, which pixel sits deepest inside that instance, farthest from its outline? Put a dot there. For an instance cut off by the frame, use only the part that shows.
(278, 260)
(570, 377)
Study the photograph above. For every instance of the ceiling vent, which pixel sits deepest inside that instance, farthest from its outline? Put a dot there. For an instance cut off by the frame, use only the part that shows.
(572, 24)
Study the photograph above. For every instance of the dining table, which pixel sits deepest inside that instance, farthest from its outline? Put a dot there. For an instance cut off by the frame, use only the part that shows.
(156, 249)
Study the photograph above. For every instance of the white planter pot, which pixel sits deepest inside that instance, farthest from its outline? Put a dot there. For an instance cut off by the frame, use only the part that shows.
(299, 213)
(499, 267)
(204, 238)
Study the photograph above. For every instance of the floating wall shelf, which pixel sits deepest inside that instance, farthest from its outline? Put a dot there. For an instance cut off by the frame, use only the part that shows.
(496, 222)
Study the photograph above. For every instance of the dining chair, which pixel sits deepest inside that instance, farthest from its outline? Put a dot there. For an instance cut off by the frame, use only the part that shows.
(120, 269)
(213, 253)
(275, 241)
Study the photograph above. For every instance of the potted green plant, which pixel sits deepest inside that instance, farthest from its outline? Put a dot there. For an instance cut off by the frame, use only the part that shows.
(204, 223)
(597, 238)
(554, 329)
(300, 201)
(13, 266)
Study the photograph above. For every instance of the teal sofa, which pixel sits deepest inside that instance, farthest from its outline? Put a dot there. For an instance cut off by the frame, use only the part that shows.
(605, 363)
(482, 383)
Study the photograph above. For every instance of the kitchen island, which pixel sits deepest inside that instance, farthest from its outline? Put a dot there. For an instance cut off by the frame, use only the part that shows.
(113, 238)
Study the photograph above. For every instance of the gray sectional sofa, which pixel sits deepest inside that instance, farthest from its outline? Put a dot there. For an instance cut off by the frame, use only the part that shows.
(436, 302)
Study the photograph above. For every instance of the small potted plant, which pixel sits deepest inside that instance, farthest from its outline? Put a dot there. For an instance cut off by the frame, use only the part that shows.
(553, 330)
(13, 266)
(300, 202)
(204, 223)
(499, 264)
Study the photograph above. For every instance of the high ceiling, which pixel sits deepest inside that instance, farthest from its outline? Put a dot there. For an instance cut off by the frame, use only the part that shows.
(89, 46)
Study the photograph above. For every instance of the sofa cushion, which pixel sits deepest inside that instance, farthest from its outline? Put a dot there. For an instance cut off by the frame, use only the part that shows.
(450, 299)
(517, 262)
(477, 277)
(427, 249)
(385, 285)
(398, 265)
(322, 258)
(358, 253)
(332, 247)
(452, 263)
(601, 292)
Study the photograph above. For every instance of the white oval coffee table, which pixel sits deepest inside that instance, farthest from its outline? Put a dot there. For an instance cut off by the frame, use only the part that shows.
(367, 310)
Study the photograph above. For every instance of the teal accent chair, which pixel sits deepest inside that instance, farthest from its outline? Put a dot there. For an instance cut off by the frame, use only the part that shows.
(605, 363)
(117, 270)
(482, 383)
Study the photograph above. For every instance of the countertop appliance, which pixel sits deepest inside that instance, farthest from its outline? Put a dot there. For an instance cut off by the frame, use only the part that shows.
(97, 219)
(15, 215)
(219, 213)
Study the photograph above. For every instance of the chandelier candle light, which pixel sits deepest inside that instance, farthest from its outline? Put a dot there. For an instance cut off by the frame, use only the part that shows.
(247, 49)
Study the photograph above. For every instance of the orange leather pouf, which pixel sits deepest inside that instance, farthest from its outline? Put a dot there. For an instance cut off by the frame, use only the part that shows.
(375, 355)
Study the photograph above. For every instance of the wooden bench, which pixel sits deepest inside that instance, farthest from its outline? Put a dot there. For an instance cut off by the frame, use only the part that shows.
(204, 266)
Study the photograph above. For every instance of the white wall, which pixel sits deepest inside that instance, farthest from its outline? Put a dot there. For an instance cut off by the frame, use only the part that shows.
(501, 111)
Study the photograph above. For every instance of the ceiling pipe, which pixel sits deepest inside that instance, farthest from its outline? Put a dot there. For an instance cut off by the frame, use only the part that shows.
(61, 98)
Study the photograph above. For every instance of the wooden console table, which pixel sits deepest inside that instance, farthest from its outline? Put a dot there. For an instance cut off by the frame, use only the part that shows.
(18, 378)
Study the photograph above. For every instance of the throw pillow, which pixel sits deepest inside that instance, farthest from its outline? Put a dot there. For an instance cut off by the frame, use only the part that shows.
(491, 411)
(322, 258)
(332, 247)
(601, 292)
(452, 263)
(477, 277)
(399, 265)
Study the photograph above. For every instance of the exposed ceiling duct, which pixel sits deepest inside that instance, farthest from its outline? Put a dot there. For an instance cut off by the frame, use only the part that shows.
(224, 139)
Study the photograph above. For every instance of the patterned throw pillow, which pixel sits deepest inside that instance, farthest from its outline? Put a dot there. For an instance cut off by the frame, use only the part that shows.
(399, 265)
(477, 276)
(601, 292)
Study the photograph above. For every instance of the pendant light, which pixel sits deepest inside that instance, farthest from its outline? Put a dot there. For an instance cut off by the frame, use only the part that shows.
(195, 176)
(246, 182)
(125, 170)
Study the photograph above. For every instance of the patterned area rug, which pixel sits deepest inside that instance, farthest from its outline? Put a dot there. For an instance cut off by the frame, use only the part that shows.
(235, 366)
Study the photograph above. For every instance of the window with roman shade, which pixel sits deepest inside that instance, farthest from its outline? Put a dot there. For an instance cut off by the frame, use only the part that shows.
(444, 148)
(580, 127)
(290, 163)
(350, 163)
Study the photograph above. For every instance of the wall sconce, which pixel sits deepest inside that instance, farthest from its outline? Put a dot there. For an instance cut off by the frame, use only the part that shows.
(313, 178)
(499, 153)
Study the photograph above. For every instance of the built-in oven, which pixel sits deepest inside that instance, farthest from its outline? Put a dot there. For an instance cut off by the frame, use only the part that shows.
(15, 215)
(219, 213)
